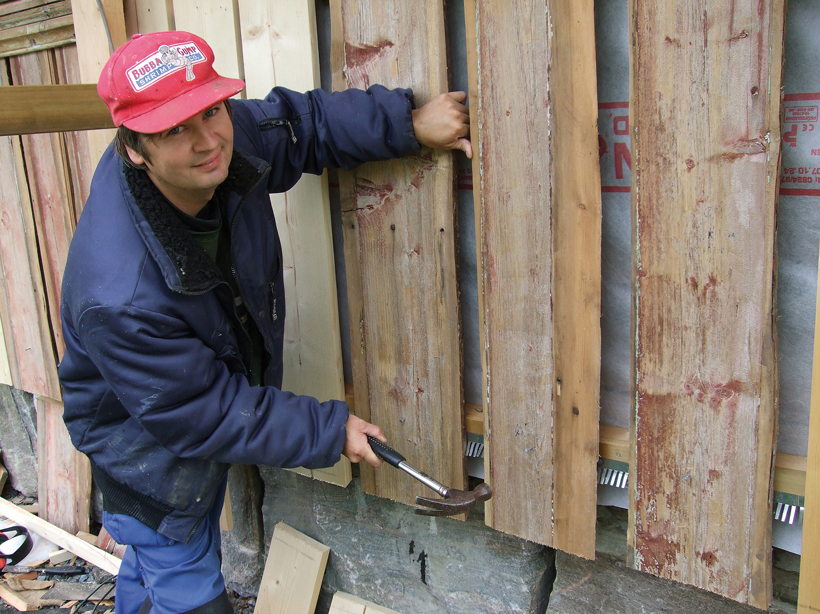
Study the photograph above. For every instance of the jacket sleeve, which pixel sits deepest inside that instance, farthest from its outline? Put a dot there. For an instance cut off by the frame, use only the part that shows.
(184, 395)
(306, 133)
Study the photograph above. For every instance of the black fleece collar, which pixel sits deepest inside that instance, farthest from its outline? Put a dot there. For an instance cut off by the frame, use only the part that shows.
(197, 272)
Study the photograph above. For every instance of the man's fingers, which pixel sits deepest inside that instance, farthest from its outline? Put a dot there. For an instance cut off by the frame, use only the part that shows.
(466, 146)
(458, 96)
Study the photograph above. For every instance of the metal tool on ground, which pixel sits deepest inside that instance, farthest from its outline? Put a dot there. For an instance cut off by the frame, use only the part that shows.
(454, 501)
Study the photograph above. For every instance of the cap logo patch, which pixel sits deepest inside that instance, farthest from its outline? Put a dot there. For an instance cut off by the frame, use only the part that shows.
(164, 61)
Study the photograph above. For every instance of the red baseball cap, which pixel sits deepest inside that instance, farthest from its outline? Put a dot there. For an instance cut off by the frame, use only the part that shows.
(160, 80)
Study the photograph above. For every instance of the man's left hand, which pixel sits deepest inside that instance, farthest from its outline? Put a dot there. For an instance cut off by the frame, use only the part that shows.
(444, 123)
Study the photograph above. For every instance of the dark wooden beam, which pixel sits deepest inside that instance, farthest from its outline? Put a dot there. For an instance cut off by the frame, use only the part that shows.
(29, 109)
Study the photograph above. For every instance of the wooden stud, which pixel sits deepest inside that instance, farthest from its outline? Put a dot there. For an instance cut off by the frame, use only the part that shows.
(51, 108)
(281, 37)
(64, 474)
(87, 552)
(293, 573)
(704, 112)
(808, 596)
(149, 16)
(538, 243)
(399, 231)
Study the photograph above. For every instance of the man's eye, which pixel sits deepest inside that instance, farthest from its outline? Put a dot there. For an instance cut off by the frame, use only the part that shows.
(175, 130)
(211, 112)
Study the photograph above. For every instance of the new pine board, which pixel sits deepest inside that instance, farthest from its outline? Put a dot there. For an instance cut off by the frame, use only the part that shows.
(280, 36)
(538, 228)
(293, 573)
(705, 100)
(344, 603)
(94, 49)
(399, 234)
(217, 21)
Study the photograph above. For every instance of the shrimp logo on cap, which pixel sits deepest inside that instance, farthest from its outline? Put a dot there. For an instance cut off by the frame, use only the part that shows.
(164, 61)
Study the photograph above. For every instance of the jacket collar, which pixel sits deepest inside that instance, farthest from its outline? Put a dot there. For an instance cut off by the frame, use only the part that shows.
(186, 266)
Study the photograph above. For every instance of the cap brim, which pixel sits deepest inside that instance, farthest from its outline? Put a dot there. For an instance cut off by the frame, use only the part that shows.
(185, 106)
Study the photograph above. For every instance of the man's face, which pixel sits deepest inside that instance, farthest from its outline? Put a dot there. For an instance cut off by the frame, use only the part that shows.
(189, 161)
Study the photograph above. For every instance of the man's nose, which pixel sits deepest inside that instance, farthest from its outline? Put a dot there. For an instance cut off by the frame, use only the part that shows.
(206, 138)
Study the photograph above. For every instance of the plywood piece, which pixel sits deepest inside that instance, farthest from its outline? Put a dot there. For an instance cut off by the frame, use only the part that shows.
(64, 474)
(280, 35)
(23, 308)
(217, 21)
(93, 50)
(344, 603)
(704, 113)
(808, 597)
(538, 225)
(399, 234)
(293, 573)
(87, 552)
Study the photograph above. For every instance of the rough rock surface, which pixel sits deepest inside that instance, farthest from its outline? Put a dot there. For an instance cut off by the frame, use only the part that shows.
(18, 439)
(383, 552)
(242, 548)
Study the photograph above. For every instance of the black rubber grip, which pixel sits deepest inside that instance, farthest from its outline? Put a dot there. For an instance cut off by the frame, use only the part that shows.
(385, 452)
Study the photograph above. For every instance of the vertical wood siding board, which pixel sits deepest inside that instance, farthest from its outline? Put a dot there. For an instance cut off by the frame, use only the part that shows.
(693, 185)
(514, 193)
(412, 358)
(64, 477)
(280, 37)
(50, 190)
(577, 274)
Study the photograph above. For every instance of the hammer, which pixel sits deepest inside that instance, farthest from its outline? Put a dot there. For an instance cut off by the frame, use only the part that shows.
(454, 501)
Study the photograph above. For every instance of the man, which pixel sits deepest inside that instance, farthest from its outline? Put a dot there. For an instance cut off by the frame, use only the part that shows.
(173, 302)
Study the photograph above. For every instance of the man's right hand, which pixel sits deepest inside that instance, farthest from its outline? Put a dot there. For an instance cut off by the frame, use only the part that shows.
(356, 446)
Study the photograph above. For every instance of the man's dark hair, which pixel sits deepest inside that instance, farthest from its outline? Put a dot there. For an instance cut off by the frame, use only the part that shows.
(136, 141)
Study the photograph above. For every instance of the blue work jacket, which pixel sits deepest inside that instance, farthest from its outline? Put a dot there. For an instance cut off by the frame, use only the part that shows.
(154, 371)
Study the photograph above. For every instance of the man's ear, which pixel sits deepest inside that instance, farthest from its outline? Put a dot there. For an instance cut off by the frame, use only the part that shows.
(136, 158)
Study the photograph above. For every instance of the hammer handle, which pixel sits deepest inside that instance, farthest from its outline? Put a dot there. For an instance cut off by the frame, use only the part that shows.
(385, 452)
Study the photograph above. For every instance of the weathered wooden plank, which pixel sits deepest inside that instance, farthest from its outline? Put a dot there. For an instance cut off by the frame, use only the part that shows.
(705, 100)
(27, 14)
(31, 355)
(399, 231)
(77, 148)
(293, 573)
(217, 21)
(93, 50)
(37, 36)
(808, 598)
(538, 243)
(64, 474)
(281, 37)
(49, 185)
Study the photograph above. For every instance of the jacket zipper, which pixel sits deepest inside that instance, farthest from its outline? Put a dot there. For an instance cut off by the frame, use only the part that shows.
(270, 124)
(256, 184)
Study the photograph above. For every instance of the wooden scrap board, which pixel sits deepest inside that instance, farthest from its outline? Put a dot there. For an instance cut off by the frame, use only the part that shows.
(280, 36)
(217, 21)
(538, 229)
(399, 234)
(293, 573)
(704, 112)
(344, 603)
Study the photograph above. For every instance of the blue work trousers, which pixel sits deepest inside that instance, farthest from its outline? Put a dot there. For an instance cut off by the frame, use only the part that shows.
(176, 577)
